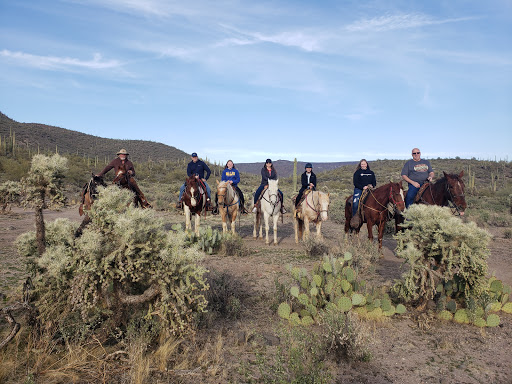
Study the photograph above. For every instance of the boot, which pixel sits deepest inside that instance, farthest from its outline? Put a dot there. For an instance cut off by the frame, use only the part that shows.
(179, 204)
(283, 210)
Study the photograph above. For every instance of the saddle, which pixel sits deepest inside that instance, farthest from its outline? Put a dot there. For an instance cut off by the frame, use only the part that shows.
(419, 195)
(358, 218)
(298, 210)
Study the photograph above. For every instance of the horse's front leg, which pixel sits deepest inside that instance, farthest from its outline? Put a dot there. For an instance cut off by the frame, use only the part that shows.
(198, 220)
(233, 221)
(369, 225)
(267, 217)
(306, 227)
(382, 225)
(224, 215)
(319, 229)
(296, 228)
(276, 218)
(188, 224)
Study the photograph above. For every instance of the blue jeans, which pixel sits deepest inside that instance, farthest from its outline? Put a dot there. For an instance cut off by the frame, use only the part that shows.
(258, 193)
(411, 194)
(355, 201)
(208, 191)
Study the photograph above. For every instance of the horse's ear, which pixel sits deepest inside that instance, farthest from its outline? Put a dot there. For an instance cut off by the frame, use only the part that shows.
(217, 182)
(445, 175)
(461, 174)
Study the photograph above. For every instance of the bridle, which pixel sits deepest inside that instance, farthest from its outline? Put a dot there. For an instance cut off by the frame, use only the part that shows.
(233, 202)
(390, 198)
(317, 211)
(452, 197)
(273, 204)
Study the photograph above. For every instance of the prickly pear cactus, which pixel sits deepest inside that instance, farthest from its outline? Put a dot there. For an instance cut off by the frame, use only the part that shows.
(493, 320)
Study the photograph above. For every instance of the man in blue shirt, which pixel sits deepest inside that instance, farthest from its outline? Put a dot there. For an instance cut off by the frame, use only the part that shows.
(197, 168)
(416, 172)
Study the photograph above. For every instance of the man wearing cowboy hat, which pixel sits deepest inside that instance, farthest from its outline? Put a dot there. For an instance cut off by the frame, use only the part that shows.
(121, 163)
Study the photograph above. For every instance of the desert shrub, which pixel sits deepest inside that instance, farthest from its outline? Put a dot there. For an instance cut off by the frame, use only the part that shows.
(345, 336)
(125, 261)
(10, 193)
(507, 234)
(441, 248)
(364, 253)
(233, 245)
(337, 207)
(315, 247)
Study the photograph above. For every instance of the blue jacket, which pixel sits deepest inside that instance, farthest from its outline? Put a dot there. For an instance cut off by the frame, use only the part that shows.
(198, 168)
(231, 174)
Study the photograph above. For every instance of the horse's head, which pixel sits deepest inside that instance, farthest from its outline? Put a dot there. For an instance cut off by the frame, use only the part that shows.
(324, 202)
(94, 183)
(273, 186)
(396, 196)
(455, 188)
(192, 190)
(222, 192)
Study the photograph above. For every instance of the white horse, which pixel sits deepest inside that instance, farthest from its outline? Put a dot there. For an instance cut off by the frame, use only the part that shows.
(270, 205)
(313, 209)
(228, 202)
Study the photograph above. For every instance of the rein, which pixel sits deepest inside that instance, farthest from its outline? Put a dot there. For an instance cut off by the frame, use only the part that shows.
(319, 211)
(224, 205)
(390, 197)
(451, 203)
(274, 205)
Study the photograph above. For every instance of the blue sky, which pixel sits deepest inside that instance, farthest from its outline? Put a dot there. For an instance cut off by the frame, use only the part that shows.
(247, 80)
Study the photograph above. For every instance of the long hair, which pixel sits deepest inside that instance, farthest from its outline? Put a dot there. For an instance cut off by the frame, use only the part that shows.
(359, 165)
(226, 166)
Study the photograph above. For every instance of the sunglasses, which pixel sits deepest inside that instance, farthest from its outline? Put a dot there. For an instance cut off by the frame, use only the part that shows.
(416, 153)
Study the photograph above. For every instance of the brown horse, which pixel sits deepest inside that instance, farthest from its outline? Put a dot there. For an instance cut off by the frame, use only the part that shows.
(194, 199)
(375, 208)
(87, 197)
(447, 191)
(124, 180)
(228, 204)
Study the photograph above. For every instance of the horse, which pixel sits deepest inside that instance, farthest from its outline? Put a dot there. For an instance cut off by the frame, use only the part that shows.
(313, 208)
(447, 191)
(375, 208)
(124, 180)
(194, 202)
(228, 203)
(87, 197)
(270, 205)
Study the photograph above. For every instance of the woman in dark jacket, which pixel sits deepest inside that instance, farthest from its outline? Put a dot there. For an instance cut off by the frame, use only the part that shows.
(308, 181)
(268, 172)
(363, 177)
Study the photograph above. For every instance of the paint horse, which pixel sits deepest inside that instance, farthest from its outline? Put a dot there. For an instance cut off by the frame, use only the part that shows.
(313, 208)
(87, 197)
(194, 202)
(228, 203)
(375, 208)
(270, 206)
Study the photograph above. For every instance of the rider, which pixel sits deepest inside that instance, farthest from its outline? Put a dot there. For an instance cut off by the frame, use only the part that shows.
(308, 181)
(232, 176)
(416, 172)
(197, 168)
(363, 178)
(122, 163)
(268, 172)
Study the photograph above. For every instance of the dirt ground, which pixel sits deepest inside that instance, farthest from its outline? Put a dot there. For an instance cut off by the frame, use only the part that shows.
(407, 349)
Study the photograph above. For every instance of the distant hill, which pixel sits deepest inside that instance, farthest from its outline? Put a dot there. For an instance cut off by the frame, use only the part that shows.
(48, 138)
(285, 167)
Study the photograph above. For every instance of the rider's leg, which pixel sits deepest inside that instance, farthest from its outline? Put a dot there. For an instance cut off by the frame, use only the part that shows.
(283, 210)
(257, 196)
(355, 201)
(182, 189)
(242, 199)
(299, 196)
(411, 194)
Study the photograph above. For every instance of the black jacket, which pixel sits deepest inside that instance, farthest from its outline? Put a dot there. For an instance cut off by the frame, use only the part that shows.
(363, 178)
(265, 176)
(304, 180)
(198, 168)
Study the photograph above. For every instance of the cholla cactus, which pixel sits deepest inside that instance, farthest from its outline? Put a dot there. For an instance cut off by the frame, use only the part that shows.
(124, 260)
(44, 181)
(10, 193)
(441, 248)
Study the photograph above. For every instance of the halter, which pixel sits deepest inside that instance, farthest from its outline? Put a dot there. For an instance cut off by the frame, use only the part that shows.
(274, 205)
(224, 205)
(451, 197)
(390, 197)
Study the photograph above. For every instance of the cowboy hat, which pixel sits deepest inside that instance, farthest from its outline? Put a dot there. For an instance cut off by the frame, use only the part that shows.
(122, 151)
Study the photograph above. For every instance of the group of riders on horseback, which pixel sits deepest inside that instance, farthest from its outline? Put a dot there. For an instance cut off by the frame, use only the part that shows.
(416, 172)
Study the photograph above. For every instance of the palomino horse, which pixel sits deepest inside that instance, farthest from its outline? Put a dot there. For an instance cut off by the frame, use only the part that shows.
(194, 202)
(124, 180)
(312, 209)
(228, 203)
(447, 191)
(270, 205)
(375, 208)
(87, 197)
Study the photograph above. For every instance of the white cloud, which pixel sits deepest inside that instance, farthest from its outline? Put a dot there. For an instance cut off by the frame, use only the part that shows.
(399, 21)
(54, 62)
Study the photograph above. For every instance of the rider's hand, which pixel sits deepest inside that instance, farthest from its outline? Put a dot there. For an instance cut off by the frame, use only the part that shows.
(417, 185)
(266, 186)
(197, 176)
(130, 172)
(365, 187)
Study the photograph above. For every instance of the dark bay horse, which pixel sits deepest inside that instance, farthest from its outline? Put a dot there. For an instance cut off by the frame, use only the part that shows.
(87, 197)
(194, 202)
(375, 208)
(124, 180)
(448, 191)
